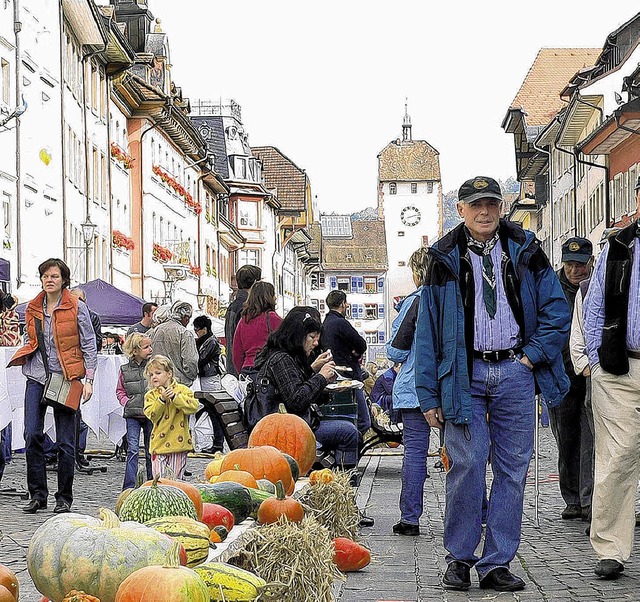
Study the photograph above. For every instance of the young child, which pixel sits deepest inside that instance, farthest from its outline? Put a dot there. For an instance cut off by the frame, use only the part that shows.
(132, 385)
(167, 404)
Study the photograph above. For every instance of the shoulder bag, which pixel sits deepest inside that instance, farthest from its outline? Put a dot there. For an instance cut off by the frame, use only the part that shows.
(58, 391)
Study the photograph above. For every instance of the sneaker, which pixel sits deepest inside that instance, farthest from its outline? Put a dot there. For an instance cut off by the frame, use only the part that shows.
(572, 511)
(403, 528)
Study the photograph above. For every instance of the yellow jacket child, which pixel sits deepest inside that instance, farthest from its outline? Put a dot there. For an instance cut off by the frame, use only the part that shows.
(171, 432)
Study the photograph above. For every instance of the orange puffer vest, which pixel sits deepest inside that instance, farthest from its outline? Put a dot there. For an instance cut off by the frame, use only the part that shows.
(64, 322)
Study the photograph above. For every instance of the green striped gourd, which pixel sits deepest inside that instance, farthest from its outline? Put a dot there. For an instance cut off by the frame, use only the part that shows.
(146, 503)
(193, 535)
(228, 583)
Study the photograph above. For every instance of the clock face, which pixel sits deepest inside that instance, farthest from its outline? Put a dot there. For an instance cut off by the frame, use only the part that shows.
(410, 216)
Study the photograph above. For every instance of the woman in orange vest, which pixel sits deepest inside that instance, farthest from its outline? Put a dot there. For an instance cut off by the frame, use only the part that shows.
(64, 326)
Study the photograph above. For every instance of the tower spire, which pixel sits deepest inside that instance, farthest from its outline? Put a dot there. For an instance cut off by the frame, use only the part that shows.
(406, 123)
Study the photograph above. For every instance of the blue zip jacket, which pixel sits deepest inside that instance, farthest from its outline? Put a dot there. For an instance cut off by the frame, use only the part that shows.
(401, 349)
(445, 358)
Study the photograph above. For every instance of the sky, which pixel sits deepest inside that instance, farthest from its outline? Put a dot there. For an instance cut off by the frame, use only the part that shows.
(326, 82)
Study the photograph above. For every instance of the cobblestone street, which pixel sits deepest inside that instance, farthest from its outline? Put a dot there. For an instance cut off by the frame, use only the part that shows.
(556, 559)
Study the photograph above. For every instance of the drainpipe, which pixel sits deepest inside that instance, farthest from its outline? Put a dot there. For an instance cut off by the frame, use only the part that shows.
(17, 28)
(575, 184)
(550, 192)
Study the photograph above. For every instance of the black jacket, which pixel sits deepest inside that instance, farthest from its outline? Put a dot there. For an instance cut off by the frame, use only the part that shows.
(346, 345)
(208, 355)
(231, 320)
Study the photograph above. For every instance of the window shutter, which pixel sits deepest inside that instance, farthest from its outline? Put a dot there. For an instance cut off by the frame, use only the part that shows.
(380, 284)
(334, 282)
(381, 336)
(354, 284)
(381, 310)
(360, 284)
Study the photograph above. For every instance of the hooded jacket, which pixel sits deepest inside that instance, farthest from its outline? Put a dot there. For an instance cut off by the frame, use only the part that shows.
(444, 329)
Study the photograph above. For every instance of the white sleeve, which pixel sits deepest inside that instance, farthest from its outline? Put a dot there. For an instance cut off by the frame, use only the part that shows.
(577, 345)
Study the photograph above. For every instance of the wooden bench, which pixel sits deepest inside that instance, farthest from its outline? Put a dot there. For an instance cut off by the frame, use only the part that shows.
(229, 413)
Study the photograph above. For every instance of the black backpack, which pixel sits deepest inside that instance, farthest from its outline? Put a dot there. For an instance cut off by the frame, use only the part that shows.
(262, 397)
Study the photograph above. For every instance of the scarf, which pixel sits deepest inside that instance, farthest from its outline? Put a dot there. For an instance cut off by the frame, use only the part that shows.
(483, 249)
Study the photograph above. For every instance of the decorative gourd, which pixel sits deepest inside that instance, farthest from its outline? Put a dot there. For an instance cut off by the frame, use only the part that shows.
(232, 496)
(213, 468)
(214, 515)
(265, 485)
(146, 503)
(214, 478)
(124, 494)
(76, 596)
(349, 555)
(238, 476)
(188, 488)
(9, 586)
(274, 507)
(226, 582)
(321, 476)
(293, 465)
(257, 497)
(167, 583)
(218, 534)
(263, 462)
(73, 551)
(288, 433)
(193, 535)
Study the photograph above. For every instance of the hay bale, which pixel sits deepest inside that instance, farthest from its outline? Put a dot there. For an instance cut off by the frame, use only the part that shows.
(298, 555)
(334, 505)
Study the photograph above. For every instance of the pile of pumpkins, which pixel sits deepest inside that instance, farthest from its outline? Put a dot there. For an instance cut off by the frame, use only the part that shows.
(155, 547)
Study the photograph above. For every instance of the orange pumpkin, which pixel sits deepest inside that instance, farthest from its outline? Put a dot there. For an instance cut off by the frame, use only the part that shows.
(213, 468)
(288, 433)
(321, 476)
(350, 556)
(154, 582)
(190, 490)
(9, 586)
(264, 462)
(238, 476)
(76, 596)
(273, 508)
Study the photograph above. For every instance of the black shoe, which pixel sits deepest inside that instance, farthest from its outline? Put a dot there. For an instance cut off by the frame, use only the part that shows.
(457, 576)
(52, 466)
(34, 505)
(61, 508)
(501, 580)
(366, 521)
(402, 528)
(572, 511)
(587, 531)
(637, 519)
(608, 568)
(187, 473)
(211, 450)
(586, 514)
(82, 461)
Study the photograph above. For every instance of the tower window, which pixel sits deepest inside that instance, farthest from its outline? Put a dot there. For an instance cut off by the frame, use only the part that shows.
(393, 188)
(429, 187)
(414, 187)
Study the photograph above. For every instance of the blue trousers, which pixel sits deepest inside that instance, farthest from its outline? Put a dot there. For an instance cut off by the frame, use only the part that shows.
(415, 438)
(342, 437)
(364, 417)
(65, 421)
(503, 413)
(134, 426)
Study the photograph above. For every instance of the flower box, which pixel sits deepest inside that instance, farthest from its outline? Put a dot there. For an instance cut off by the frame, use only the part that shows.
(195, 270)
(161, 253)
(120, 155)
(122, 240)
(178, 188)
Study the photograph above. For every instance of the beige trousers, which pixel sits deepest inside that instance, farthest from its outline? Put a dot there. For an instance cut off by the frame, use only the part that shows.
(616, 417)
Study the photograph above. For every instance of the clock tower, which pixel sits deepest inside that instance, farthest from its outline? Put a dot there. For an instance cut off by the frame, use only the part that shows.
(410, 203)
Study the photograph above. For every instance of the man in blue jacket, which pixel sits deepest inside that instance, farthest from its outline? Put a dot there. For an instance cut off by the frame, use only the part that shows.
(491, 326)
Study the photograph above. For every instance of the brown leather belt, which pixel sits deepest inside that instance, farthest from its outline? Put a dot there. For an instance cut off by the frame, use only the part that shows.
(497, 356)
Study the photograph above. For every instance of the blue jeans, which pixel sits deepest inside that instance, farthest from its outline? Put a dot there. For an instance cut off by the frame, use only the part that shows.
(503, 420)
(342, 437)
(415, 438)
(65, 421)
(364, 417)
(134, 426)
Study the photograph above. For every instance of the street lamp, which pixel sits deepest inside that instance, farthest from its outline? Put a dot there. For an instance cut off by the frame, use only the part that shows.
(202, 300)
(88, 232)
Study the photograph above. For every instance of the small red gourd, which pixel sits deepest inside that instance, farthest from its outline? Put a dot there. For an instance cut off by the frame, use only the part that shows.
(349, 555)
(168, 583)
(9, 586)
(273, 508)
(215, 515)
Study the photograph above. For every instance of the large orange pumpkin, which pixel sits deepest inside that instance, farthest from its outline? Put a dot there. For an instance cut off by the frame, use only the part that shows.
(9, 586)
(288, 433)
(213, 468)
(190, 490)
(264, 462)
(168, 583)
